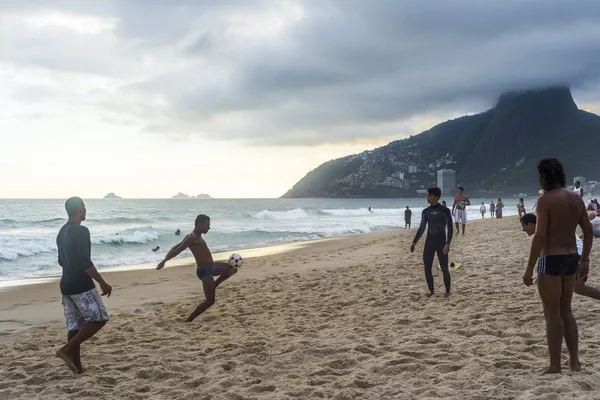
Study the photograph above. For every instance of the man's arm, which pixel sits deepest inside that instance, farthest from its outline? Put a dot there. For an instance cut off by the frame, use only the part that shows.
(541, 232)
(454, 205)
(587, 228)
(84, 246)
(449, 227)
(468, 201)
(421, 227)
(176, 250)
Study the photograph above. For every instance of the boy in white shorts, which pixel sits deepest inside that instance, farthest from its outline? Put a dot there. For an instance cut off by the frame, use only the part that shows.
(461, 201)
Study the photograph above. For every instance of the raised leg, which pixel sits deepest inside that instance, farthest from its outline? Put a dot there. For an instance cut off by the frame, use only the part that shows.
(224, 271)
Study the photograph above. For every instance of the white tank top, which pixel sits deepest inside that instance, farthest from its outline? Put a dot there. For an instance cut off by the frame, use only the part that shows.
(578, 191)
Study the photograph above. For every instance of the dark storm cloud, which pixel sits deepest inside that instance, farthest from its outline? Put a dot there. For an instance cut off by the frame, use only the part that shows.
(331, 70)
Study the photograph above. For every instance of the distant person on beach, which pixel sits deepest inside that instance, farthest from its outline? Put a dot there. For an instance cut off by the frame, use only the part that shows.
(595, 201)
(370, 209)
(461, 201)
(578, 189)
(595, 221)
(436, 218)
(157, 248)
(499, 207)
(554, 250)
(444, 203)
(540, 193)
(177, 232)
(84, 310)
(521, 207)
(492, 209)
(206, 268)
(528, 222)
(407, 217)
(482, 210)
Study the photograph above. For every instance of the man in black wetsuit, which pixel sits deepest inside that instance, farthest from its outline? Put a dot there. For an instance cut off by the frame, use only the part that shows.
(437, 218)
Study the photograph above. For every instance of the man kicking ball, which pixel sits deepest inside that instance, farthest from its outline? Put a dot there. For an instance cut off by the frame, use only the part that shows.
(436, 217)
(528, 222)
(206, 267)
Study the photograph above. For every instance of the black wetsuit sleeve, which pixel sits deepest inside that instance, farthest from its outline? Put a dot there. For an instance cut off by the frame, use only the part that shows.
(449, 226)
(422, 226)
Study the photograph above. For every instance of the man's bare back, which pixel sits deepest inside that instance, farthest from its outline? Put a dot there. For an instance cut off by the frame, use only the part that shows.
(564, 208)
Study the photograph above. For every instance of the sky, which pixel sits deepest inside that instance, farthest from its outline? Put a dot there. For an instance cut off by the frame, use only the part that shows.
(241, 98)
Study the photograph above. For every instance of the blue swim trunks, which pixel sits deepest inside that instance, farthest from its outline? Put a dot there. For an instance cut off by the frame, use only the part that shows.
(204, 272)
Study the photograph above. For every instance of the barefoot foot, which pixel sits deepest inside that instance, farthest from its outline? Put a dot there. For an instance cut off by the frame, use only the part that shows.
(447, 294)
(66, 357)
(429, 294)
(551, 370)
(576, 366)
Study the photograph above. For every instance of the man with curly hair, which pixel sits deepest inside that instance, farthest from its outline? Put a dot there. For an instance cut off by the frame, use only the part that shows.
(554, 250)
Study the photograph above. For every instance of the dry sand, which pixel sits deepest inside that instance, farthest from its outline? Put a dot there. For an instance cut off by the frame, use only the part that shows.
(339, 319)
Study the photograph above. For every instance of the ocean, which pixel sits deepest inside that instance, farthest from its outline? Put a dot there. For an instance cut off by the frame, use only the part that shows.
(124, 231)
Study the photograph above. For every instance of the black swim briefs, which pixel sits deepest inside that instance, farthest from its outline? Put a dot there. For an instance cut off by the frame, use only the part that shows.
(558, 265)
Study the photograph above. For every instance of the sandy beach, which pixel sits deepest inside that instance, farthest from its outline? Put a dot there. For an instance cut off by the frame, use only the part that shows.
(343, 318)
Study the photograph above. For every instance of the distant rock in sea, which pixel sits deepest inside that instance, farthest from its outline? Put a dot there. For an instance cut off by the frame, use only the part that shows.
(203, 196)
(112, 196)
(181, 196)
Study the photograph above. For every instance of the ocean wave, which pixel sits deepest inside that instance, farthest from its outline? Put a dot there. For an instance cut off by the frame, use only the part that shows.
(26, 249)
(363, 212)
(130, 236)
(296, 213)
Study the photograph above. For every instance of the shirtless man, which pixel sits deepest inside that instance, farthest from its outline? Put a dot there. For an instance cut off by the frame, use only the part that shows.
(499, 207)
(528, 222)
(461, 200)
(206, 267)
(554, 250)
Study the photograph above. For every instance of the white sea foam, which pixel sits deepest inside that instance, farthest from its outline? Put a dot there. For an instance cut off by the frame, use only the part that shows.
(127, 237)
(14, 250)
(296, 213)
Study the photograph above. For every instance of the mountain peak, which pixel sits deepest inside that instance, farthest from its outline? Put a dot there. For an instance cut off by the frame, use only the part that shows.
(546, 99)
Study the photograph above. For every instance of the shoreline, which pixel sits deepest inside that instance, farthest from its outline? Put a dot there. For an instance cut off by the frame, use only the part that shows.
(217, 256)
(29, 304)
(178, 262)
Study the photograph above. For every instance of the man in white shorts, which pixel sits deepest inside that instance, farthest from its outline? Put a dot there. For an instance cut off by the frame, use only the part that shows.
(459, 210)
(84, 310)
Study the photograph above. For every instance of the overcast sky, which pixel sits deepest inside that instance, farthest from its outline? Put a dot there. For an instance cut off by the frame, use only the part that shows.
(243, 98)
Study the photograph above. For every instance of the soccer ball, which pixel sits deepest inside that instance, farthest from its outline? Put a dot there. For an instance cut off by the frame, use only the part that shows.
(235, 260)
